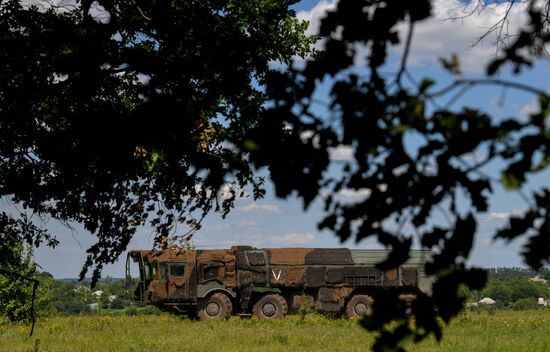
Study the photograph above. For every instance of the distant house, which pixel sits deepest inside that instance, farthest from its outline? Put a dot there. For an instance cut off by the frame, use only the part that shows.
(487, 301)
(538, 279)
(81, 288)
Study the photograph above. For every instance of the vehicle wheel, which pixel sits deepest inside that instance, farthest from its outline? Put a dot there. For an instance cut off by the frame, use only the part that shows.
(271, 306)
(408, 299)
(215, 307)
(359, 305)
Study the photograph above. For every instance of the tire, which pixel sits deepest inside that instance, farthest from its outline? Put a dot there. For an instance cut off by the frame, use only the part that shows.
(359, 305)
(408, 299)
(215, 307)
(272, 306)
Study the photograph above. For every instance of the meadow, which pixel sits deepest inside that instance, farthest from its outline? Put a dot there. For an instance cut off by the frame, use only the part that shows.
(486, 331)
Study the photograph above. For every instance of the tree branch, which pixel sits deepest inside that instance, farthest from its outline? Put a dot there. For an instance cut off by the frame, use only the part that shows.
(405, 54)
(488, 81)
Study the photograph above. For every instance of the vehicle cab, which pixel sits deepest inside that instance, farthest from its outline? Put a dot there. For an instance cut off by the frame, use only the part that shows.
(163, 278)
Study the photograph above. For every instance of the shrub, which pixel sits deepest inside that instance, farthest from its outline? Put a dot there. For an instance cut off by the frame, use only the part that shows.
(525, 304)
(132, 311)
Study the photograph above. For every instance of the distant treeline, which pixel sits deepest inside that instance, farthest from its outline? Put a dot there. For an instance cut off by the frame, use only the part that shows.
(517, 272)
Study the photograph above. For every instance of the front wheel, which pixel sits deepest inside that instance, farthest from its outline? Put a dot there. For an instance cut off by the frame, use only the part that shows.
(272, 306)
(215, 307)
(359, 305)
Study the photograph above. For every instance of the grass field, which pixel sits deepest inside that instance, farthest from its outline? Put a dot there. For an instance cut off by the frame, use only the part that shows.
(502, 331)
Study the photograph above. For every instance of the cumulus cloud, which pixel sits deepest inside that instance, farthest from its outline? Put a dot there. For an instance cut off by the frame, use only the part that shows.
(352, 195)
(248, 223)
(498, 218)
(314, 15)
(528, 109)
(453, 28)
(499, 215)
(259, 208)
(473, 157)
(293, 239)
(341, 153)
(97, 11)
(227, 190)
(532, 107)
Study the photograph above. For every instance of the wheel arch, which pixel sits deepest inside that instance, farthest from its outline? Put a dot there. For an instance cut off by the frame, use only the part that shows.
(366, 290)
(211, 291)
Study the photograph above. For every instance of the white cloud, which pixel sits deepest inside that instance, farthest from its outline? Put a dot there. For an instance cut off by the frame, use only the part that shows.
(473, 157)
(454, 27)
(293, 239)
(528, 109)
(503, 215)
(449, 30)
(260, 208)
(216, 227)
(499, 217)
(341, 153)
(532, 107)
(248, 223)
(352, 195)
(227, 190)
(314, 15)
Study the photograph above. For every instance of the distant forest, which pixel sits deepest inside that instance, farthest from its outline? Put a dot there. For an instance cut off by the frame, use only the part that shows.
(517, 272)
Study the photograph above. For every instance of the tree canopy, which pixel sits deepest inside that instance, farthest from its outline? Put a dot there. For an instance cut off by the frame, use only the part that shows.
(113, 113)
(372, 113)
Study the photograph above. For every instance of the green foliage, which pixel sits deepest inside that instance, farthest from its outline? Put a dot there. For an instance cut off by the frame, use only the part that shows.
(525, 304)
(373, 113)
(511, 289)
(18, 271)
(156, 94)
(499, 291)
(16, 292)
(74, 298)
(71, 299)
(306, 307)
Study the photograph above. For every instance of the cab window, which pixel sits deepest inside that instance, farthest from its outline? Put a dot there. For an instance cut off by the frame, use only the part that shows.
(163, 268)
(177, 269)
(210, 272)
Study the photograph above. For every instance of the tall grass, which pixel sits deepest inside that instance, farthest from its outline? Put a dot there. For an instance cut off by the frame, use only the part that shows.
(501, 331)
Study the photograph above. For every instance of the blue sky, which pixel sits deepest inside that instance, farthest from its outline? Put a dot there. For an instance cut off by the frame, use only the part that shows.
(273, 222)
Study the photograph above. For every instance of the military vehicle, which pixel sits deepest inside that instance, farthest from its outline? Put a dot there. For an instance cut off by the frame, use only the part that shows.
(269, 283)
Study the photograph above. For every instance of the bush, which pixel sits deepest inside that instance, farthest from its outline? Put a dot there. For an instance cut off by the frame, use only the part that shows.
(150, 310)
(16, 292)
(72, 307)
(117, 303)
(132, 311)
(525, 304)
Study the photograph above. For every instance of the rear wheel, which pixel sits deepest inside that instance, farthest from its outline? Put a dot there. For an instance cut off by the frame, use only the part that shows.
(215, 307)
(272, 306)
(359, 305)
